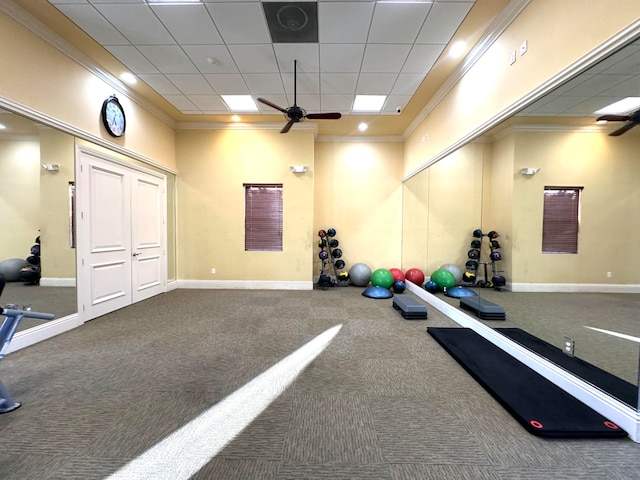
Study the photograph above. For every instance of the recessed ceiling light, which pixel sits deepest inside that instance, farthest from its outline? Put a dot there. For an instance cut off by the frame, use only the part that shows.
(128, 78)
(240, 103)
(363, 126)
(368, 103)
(622, 106)
(235, 118)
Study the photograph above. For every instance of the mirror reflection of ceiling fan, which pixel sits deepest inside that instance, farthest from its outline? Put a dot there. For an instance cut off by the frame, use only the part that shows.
(631, 120)
(294, 113)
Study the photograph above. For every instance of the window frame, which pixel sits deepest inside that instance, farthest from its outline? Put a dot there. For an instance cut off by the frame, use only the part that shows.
(561, 219)
(263, 217)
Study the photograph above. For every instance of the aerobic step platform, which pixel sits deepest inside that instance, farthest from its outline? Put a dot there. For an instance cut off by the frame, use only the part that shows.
(483, 308)
(410, 307)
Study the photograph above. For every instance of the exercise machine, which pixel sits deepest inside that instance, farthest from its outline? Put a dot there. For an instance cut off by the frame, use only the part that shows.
(13, 316)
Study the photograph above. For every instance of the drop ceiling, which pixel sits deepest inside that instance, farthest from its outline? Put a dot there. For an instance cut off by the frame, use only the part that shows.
(191, 54)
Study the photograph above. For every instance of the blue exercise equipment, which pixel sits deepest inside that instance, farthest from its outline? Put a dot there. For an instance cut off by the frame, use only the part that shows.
(9, 326)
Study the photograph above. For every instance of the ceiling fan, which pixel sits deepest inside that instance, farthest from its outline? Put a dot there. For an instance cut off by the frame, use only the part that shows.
(632, 120)
(294, 113)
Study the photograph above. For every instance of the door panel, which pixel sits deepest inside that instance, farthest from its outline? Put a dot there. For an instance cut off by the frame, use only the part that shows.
(148, 226)
(104, 234)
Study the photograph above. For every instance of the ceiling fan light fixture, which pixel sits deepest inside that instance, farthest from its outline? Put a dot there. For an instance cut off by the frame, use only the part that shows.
(240, 103)
(621, 106)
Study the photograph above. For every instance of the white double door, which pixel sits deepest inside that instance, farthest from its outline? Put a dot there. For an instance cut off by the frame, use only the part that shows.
(121, 234)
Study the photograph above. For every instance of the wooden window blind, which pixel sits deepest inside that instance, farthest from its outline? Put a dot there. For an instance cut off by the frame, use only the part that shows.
(561, 219)
(263, 217)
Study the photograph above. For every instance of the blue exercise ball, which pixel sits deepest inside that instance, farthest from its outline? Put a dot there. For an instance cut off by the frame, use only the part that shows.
(431, 286)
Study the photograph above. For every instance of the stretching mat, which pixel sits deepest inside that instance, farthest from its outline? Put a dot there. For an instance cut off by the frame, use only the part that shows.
(540, 406)
(615, 386)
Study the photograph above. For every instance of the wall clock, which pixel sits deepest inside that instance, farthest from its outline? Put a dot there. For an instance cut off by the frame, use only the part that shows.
(113, 117)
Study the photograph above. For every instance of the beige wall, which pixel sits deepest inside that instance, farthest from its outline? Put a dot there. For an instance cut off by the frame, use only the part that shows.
(47, 81)
(359, 193)
(558, 34)
(19, 197)
(58, 258)
(608, 170)
(213, 167)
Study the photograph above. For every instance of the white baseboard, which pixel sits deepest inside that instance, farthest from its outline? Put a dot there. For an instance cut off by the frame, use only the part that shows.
(171, 285)
(57, 282)
(624, 416)
(244, 285)
(574, 287)
(44, 331)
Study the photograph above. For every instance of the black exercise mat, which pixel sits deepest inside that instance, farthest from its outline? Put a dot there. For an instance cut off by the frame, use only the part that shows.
(540, 406)
(615, 386)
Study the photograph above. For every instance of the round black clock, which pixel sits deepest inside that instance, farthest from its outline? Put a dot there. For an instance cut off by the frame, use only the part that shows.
(113, 117)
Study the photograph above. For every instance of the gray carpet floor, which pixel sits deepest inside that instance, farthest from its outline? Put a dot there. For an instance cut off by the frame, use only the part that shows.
(382, 401)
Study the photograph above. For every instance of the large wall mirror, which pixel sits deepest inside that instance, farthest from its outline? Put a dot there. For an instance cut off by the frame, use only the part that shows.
(584, 304)
(36, 203)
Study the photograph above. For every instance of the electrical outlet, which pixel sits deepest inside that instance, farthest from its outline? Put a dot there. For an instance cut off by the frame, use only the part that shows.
(569, 346)
(213, 271)
(523, 47)
(609, 274)
(512, 58)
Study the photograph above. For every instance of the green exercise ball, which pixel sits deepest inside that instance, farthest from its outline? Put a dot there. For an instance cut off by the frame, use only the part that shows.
(382, 278)
(443, 278)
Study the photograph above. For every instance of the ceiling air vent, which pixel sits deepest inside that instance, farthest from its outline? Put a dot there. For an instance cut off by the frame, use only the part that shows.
(292, 22)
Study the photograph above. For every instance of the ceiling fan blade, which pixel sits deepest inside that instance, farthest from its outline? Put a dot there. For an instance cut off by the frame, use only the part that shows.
(271, 104)
(323, 116)
(623, 129)
(613, 118)
(288, 126)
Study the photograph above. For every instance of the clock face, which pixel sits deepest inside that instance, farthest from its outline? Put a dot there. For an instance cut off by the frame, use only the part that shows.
(113, 117)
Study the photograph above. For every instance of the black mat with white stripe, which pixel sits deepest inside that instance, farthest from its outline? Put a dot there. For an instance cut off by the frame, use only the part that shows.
(539, 405)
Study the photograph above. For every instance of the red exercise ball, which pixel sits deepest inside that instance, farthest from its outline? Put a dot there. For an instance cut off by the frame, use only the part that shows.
(414, 275)
(398, 276)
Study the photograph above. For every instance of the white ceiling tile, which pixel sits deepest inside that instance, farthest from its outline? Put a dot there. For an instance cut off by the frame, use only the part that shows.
(254, 58)
(337, 103)
(208, 103)
(443, 20)
(397, 22)
(189, 24)
(159, 83)
(375, 83)
(307, 55)
(168, 58)
(311, 103)
(227, 83)
(137, 23)
(90, 20)
(222, 60)
(384, 57)
(338, 83)
(589, 105)
(422, 58)
(132, 58)
(307, 83)
(191, 84)
(344, 22)
(55, 2)
(597, 84)
(181, 102)
(345, 58)
(407, 84)
(262, 84)
(240, 23)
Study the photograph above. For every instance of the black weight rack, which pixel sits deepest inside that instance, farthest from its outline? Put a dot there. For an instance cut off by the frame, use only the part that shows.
(331, 258)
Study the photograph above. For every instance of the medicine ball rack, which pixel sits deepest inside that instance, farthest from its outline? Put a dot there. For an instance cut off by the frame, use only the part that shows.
(470, 277)
(330, 255)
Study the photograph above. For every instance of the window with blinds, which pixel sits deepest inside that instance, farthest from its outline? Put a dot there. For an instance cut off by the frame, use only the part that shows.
(262, 217)
(561, 219)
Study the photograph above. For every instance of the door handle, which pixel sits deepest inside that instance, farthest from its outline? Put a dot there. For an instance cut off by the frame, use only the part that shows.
(135, 254)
